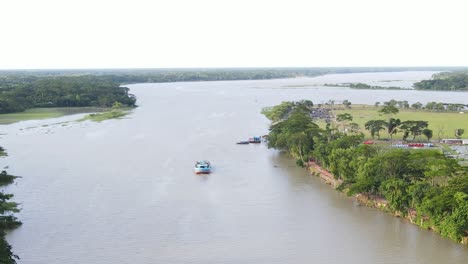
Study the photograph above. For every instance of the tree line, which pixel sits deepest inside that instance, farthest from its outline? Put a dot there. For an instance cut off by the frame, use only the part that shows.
(430, 106)
(208, 74)
(446, 81)
(18, 93)
(365, 86)
(424, 180)
(20, 90)
(7, 219)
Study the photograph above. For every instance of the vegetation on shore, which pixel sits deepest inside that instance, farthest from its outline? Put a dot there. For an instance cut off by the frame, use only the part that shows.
(125, 76)
(44, 113)
(98, 117)
(19, 93)
(117, 111)
(7, 219)
(424, 181)
(21, 90)
(364, 86)
(445, 81)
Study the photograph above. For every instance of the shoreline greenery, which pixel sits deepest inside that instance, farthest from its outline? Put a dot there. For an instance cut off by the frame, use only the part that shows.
(19, 93)
(117, 111)
(364, 86)
(25, 89)
(425, 180)
(445, 81)
(44, 113)
(7, 219)
(98, 117)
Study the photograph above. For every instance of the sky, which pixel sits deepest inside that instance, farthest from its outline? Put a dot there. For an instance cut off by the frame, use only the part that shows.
(69, 34)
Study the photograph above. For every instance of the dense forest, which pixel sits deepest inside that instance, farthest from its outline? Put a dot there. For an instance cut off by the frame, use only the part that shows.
(18, 93)
(424, 180)
(7, 220)
(446, 81)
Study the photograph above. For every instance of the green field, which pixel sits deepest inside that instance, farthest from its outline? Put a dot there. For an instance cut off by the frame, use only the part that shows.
(43, 113)
(442, 124)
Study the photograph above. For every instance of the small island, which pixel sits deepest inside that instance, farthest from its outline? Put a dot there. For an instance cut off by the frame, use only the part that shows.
(364, 86)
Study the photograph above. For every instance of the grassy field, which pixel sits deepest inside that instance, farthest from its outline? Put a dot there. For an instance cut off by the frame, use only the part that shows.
(440, 123)
(43, 113)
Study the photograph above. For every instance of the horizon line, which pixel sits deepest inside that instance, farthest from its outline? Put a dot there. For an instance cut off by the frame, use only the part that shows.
(224, 68)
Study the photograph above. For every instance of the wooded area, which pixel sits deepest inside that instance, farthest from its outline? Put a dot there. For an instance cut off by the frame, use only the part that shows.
(445, 81)
(425, 180)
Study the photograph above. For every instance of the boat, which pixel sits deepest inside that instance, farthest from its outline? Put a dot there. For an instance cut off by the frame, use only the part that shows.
(202, 167)
(255, 140)
(243, 142)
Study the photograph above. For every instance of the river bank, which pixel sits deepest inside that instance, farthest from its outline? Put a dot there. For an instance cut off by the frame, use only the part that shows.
(45, 113)
(377, 202)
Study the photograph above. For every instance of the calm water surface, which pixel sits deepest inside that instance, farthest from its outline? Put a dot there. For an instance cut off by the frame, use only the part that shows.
(123, 191)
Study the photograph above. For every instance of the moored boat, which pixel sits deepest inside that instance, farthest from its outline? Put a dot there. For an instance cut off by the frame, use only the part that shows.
(242, 142)
(202, 167)
(255, 140)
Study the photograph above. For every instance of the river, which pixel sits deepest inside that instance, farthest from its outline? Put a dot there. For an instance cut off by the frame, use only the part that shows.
(123, 191)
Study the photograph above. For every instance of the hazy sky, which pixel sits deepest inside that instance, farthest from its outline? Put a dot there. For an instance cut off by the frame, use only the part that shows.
(234, 33)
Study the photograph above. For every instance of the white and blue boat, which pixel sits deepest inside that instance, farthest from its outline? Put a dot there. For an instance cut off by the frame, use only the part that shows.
(202, 167)
(255, 140)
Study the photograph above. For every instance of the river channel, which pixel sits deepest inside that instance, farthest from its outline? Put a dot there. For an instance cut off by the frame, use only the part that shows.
(124, 191)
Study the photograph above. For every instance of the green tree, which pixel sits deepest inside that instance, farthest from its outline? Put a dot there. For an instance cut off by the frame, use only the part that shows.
(417, 106)
(294, 135)
(417, 192)
(389, 109)
(278, 112)
(7, 219)
(6, 254)
(455, 226)
(413, 127)
(395, 191)
(347, 104)
(344, 119)
(354, 127)
(392, 126)
(459, 132)
(374, 127)
(403, 104)
(428, 133)
(392, 102)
